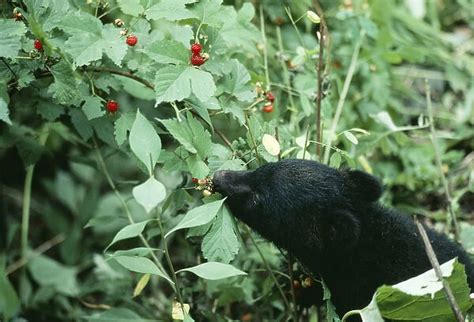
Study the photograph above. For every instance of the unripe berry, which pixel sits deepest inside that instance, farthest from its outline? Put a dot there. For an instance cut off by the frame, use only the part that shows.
(118, 22)
(206, 193)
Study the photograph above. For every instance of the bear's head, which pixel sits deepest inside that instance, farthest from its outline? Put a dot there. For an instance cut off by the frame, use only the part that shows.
(302, 206)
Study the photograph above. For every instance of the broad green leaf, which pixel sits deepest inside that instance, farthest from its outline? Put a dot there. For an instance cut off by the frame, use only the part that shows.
(141, 265)
(46, 13)
(48, 272)
(167, 52)
(198, 216)
(220, 243)
(93, 107)
(211, 12)
(84, 48)
(113, 44)
(213, 271)
(81, 23)
(122, 126)
(237, 81)
(132, 7)
(238, 31)
(11, 34)
(9, 302)
(145, 142)
(4, 112)
(422, 297)
(129, 231)
(149, 194)
(175, 83)
(191, 134)
(65, 87)
(197, 166)
(50, 111)
(170, 10)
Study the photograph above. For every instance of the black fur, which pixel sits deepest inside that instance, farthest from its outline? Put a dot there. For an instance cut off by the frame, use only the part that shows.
(330, 220)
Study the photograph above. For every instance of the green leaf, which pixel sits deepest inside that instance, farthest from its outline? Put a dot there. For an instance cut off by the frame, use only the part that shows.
(351, 137)
(170, 10)
(129, 231)
(145, 142)
(422, 297)
(191, 134)
(4, 112)
(197, 166)
(149, 194)
(48, 272)
(93, 107)
(213, 271)
(116, 315)
(50, 111)
(65, 86)
(238, 31)
(335, 160)
(9, 302)
(141, 265)
(220, 243)
(113, 44)
(132, 7)
(198, 216)
(175, 83)
(122, 126)
(167, 52)
(211, 12)
(47, 13)
(80, 122)
(237, 81)
(11, 34)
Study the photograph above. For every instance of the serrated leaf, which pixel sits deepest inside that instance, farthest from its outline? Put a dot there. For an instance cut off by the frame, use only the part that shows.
(65, 87)
(211, 12)
(197, 166)
(142, 283)
(170, 10)
(141, 265)
(84, 48)
(82, 125)
(198, 216)
(47, 13)
(4, 112)
(131, 7)
(149, 194)
(113, 44)
(93, 107)
(167, 52)
(351, 137)
(220, 243)
(81, 23)
(175, 83)
(50, 111)
(237, 81)
(213, 271)
(122, 126)
(145, 142)
(11, 34)
(238, 31)
(129, 231)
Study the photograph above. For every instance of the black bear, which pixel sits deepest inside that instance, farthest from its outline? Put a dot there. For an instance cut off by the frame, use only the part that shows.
(331, 221)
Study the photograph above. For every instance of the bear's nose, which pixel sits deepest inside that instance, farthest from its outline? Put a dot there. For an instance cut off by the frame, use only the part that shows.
(219, 179)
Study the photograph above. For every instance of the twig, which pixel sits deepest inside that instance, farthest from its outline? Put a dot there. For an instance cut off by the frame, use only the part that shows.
(451, 215)
(435, 264)
(265, 57)
(342, 97)
(122, 73)
(47, 245)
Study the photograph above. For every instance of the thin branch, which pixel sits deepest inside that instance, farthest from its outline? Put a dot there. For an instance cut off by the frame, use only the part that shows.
(451, 215)
(122, 73)
(435, 264)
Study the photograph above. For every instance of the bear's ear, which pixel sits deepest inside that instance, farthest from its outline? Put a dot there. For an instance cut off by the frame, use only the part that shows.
(364, 186)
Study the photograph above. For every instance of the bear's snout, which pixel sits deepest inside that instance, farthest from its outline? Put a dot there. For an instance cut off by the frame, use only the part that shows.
(229, 182)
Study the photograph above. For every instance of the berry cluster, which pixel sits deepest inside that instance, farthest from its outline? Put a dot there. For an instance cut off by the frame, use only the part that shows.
(197, 58)
(265, 96)
(131, 40)
(205, 185)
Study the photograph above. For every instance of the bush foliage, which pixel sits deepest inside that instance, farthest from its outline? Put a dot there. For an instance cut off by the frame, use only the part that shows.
(100, 218)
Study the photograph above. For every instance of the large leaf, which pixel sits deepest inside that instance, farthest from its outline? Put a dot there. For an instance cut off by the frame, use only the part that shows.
(141, 265)
(198, 216)
(145, 142)
(149, 194)
(167, 52)
(175, 83)
(170, 10)
(220, 243)
(11, 33)
(65, 87)
(213, 271)
(422, 297)
(237, 82)
(211, 12)
(4, 112)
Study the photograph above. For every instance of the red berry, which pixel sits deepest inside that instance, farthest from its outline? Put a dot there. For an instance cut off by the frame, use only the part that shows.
(268, 108)
(194, 180)
(131, 40)
(196, 48)
(38, 45)
(112, 106)
(197, 60)
(270, 97)
(296, 284)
